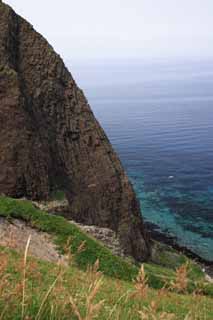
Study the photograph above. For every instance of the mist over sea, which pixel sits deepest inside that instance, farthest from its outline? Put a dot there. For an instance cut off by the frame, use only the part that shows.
(159, 117)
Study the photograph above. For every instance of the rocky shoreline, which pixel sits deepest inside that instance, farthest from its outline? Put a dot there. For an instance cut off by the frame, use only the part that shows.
(109, 238)
(161, 237)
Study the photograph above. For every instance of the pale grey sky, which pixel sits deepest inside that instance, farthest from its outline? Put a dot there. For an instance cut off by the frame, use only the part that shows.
(82, 29)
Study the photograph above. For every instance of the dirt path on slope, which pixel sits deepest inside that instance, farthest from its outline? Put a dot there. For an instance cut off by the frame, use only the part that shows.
(15, 233)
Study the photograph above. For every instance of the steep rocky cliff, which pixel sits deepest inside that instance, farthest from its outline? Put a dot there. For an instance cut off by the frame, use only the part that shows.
(50, 139)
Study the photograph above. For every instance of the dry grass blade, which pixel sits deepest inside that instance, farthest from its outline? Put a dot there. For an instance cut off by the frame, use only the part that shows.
(75, 308)
(125, 295)
(3, 263)
(68, 251)
(141, 284)
(189, 317)
(24, 277)
(92, 271)
(181, 280)
(47, 296)
(3, 312)
(151, 313)
(93, 309)
(82, 247)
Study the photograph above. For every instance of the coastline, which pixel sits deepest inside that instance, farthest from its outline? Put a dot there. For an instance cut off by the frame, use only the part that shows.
(60, 207)
(161, 237)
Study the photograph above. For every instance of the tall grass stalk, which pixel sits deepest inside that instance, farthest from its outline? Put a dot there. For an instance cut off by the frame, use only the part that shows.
(47, 296)
(24, 277)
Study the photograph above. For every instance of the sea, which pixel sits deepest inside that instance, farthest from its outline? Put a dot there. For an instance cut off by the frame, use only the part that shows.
(158, 115)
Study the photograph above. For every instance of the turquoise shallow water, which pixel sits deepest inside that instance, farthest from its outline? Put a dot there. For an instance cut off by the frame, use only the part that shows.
(159, 118)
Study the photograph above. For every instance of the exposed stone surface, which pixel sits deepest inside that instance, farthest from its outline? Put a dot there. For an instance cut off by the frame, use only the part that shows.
(50, 139)
(56, 207)
(15, 234)
(106, 236)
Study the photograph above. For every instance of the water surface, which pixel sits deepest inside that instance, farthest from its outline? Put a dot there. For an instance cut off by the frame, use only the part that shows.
(159, 118)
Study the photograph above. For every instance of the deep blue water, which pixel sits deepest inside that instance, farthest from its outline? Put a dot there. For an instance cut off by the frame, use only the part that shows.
(159, 118)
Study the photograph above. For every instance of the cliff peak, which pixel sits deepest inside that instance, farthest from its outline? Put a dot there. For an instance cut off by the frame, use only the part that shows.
(50, 139)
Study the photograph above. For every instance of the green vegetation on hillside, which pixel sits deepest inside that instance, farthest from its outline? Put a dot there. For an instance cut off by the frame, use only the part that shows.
(57, 292)
(63, 231)
(113, 266)
(61, 292)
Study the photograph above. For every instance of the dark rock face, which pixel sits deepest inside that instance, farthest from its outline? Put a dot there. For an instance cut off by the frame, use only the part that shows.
(50, 139)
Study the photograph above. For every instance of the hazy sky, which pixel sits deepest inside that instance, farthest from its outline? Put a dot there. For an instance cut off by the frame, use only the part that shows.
(82, 29)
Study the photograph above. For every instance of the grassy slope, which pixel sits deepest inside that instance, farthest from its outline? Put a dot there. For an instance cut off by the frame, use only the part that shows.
(118, 274)
(110, 265)
(120, 298)
(62, 230)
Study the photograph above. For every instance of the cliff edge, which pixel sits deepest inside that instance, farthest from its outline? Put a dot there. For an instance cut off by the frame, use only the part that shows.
(50, 139)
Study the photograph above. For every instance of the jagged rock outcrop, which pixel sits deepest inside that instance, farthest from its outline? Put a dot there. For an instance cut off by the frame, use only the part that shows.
(50, 139)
